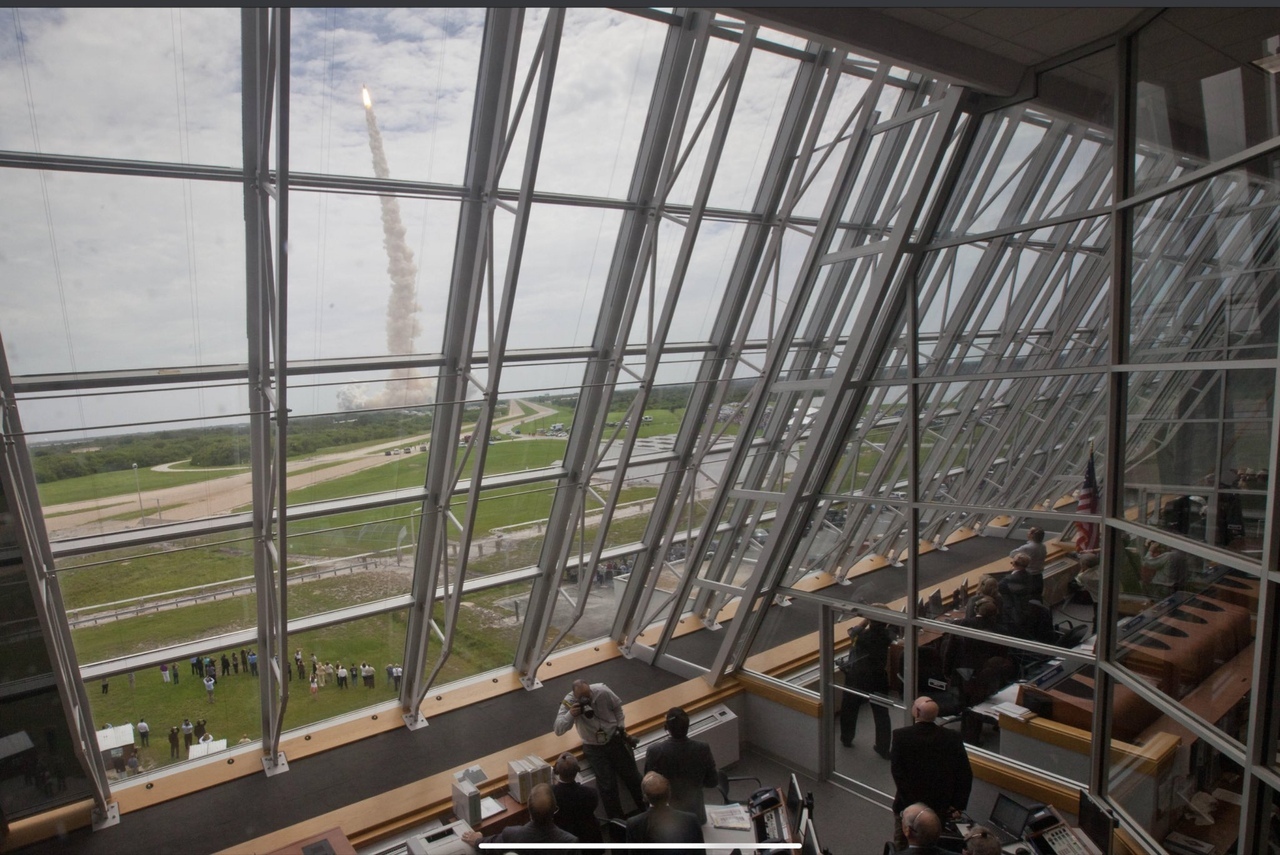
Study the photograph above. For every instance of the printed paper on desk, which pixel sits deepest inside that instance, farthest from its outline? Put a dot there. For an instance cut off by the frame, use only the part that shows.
(733, 817)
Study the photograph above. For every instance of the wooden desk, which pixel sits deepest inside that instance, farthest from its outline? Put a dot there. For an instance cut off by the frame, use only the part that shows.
(513, 813)
(1212, 699)
(331, 842)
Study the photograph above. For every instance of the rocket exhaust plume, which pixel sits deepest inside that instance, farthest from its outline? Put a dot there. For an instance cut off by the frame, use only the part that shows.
(405, 388)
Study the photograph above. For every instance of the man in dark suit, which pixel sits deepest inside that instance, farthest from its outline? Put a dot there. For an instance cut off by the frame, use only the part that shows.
(662, 823)
(921, 828)
(577, 802)
(540, 828)
(686, 763)
(929, 765)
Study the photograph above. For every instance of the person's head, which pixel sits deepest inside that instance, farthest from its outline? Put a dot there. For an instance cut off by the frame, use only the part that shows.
(981, 841)
(656, 789)
(677, 723)
(921, 825)
(1021, 561)
(986, 608)
(988, 586)
(1035, 535)
(567, 767)
(542, 803)
(582, 690)
(924, 709)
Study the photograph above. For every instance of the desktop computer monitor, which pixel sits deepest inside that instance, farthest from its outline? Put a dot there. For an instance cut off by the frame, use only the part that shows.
(1096, 822)
(809, 840)
(795, 800)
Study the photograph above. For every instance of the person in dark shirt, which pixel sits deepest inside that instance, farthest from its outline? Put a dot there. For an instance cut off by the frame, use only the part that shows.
(686, 763)
(662, 823)
(540, 828)
(577, 802)
(866, 670)
(930, 765)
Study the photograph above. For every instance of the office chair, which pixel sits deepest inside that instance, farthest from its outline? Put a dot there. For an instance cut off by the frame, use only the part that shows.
(1070, 636)
(723, 780)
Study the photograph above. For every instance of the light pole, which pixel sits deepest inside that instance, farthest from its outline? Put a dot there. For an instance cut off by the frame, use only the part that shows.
(138, 486)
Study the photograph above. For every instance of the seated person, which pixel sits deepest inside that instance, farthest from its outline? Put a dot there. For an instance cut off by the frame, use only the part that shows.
(577, 802)
(981, 841)
(987, 587)
(1017, 596)
(540, 828)
(969, 653)
(922, 828)
(662, 823)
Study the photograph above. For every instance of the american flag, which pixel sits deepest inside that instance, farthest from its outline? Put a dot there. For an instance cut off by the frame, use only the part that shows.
(1087, 503)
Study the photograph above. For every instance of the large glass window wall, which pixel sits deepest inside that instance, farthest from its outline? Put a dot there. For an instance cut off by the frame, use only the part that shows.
(739, 330)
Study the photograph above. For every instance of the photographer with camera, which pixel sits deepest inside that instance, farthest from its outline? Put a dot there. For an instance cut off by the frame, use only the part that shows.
(596, 712)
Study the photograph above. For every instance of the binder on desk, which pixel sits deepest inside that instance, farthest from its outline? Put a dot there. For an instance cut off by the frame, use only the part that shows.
(466, 802)
(519, 780)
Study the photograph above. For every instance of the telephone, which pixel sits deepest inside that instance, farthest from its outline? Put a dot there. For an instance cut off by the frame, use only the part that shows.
(763, 800)
(1049, 834)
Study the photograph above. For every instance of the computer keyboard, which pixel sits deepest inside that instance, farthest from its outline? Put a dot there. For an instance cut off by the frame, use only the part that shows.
(1063, 842)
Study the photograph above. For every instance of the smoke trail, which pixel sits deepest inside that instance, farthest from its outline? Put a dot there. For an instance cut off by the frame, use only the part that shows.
(405, 388)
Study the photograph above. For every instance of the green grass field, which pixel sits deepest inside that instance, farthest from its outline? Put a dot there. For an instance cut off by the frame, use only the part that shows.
(109, 484)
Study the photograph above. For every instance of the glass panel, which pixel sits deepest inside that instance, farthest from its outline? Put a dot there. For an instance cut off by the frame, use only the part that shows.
(1171, 797)
(562, 277)
(1010, 444)
(41, 769)
(416, 64)
(756, 117)
(172, 94)
(1031, 300)
(1200, 98)
(361, 271)
(111, 272)
(1188, 631)
(175, 704)
(93, 478)
(376, 642)
(1201, 287)
(141, 598)
(597, 109)
(348, 559)
(1196, 455)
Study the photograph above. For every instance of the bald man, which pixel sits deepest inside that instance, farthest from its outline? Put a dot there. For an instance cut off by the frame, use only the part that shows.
(929, 765)
(921, 828)
(981, 841)
(662, 823)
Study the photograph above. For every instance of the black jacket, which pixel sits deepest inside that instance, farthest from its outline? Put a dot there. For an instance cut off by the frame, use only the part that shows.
(689, 766)
(929, 764)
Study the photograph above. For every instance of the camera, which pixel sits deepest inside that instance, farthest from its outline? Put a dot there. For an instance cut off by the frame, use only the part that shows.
(585, 706)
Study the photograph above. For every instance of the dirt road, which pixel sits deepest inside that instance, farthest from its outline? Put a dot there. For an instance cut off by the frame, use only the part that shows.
(224, 495)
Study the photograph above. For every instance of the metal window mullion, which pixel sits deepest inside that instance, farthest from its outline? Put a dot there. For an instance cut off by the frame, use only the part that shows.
(670, 101)
(18, 483)
(791, 150)
(876, 327)
(497, 63)
(548, 56)
(729, 90)
(658, 335)
(741, 453)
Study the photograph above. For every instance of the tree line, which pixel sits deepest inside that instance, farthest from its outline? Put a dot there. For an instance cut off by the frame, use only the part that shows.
(218, 446)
